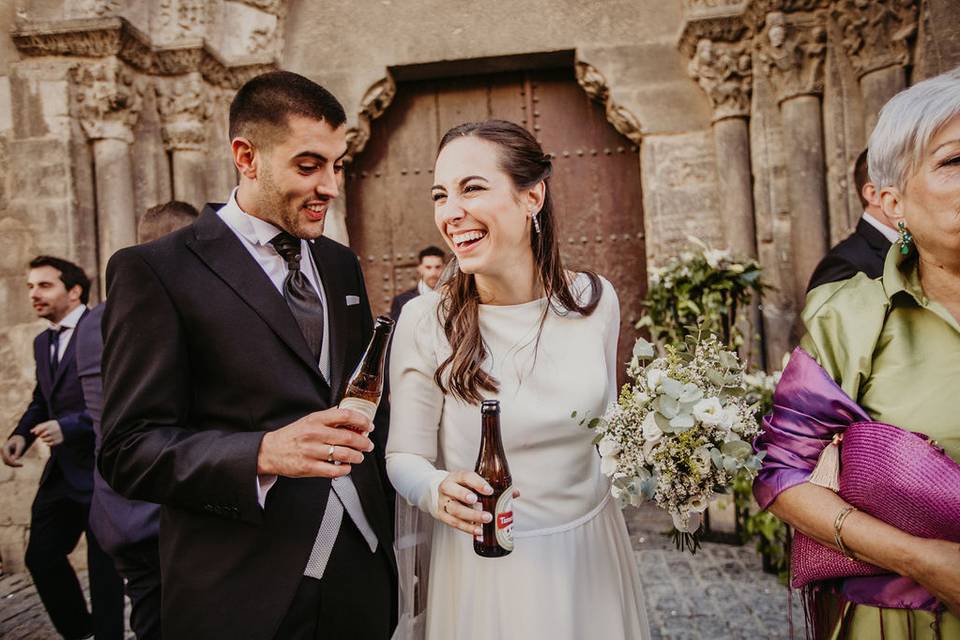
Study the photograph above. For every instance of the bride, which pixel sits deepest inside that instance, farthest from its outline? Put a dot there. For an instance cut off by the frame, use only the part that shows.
(511, 324)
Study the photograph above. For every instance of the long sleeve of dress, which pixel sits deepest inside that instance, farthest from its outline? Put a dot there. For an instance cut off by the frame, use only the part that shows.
(416, 406)
(611, 340)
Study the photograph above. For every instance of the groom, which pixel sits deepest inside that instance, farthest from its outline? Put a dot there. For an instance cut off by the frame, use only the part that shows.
(226, 345)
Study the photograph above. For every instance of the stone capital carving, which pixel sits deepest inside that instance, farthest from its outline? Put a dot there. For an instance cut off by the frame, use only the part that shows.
(725, 72)
(876, 32)
(594, 83)
(184, 108)
(374, 103)
(108, 37)
(790, 50)
(180, 19)
(275, 7)
(716, 20)
(92, 8)
(108, 96)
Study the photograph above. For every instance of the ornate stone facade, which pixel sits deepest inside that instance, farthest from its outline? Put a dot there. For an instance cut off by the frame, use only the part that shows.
(596, 86)
(725, 72)
(108, 98)
(876, 33)
(791, 49)
(373, 104)
(184, 108)
(108, 107)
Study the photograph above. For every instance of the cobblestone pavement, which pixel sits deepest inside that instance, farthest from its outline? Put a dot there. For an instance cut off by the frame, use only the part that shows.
(720, 593)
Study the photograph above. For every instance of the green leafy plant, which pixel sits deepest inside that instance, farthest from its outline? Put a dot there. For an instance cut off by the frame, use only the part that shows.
(706, 288)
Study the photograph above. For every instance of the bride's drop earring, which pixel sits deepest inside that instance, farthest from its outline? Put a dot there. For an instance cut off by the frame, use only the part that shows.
(536, 222)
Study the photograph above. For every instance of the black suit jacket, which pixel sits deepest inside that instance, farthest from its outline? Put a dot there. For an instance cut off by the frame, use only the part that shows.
(58, 396)
(863, 250)
(401, 299)
(201, 357)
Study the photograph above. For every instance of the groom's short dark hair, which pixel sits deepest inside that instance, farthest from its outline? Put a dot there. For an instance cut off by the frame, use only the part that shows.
(265, 103)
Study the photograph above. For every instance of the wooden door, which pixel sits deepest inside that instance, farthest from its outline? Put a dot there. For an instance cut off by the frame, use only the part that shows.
(596, 180)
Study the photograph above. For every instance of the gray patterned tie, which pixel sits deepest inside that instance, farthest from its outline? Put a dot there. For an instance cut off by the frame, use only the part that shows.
(307, 309)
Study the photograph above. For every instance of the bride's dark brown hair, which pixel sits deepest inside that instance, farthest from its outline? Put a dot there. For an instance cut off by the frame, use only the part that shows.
(521, 158)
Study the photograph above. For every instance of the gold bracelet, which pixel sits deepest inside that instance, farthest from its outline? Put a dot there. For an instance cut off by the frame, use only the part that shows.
(837, 528)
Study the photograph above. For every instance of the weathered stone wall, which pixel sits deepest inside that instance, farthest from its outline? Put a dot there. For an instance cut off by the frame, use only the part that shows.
(747, 115)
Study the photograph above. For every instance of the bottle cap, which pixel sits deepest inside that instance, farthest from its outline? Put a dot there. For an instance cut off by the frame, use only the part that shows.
(489, 407)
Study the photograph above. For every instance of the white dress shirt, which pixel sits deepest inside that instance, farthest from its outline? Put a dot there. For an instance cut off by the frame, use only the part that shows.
(888, 233)
(68, 324)
(255, 235)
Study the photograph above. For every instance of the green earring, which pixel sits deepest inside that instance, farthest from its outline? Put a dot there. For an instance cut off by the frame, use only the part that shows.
(906, 238)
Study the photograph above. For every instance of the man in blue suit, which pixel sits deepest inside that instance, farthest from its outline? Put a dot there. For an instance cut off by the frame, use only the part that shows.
(57, 415)
(128, 530)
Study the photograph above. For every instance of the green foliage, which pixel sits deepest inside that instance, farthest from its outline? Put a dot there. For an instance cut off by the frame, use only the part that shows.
(706, 288)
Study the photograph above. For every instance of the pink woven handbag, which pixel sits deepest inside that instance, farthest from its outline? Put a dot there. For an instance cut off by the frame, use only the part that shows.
(900, 477)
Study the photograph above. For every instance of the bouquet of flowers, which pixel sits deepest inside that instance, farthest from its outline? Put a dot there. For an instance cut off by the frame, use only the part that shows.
(680, 431)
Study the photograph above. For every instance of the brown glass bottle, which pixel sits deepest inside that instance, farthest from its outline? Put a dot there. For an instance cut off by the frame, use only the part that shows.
(366, 384)
(496, 539)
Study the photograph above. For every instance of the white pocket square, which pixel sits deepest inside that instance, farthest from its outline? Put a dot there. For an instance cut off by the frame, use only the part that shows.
(352, 300)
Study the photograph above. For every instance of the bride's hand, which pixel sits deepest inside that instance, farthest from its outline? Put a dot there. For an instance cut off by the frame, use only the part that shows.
(456, 500)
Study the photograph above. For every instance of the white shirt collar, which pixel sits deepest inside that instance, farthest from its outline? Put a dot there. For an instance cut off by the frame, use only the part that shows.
(423, 287)
(888, 233)
(70, 320)
(252, 228)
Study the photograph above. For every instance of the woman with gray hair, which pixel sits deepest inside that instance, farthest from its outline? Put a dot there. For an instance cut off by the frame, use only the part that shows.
(863, 446)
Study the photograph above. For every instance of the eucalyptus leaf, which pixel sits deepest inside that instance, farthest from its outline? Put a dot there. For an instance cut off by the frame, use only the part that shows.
(737, 449)
(672, 388)
(643, 349)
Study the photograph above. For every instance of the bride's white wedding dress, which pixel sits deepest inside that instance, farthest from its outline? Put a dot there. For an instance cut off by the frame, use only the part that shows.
(572, 574)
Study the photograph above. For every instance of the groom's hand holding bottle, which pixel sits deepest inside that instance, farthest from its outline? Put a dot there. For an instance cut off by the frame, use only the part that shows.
(320, 444)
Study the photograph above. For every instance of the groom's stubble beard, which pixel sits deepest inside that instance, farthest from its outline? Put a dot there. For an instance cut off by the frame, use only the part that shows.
(282, 209)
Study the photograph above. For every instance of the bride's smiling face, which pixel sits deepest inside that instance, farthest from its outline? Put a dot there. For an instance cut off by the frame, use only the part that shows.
(477, 208)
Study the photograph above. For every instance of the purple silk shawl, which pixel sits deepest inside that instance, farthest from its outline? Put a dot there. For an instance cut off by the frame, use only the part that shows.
(808, 409)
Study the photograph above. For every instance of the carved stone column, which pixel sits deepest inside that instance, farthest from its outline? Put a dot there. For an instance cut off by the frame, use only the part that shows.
(875, 36)
(724, 71)
(790, 50)
(183, 111)
(108, 97)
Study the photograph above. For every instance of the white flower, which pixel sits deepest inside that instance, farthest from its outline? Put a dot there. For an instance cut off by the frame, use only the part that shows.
(654, 378)
(709, 411)
(608, 447)
(651, 430)
(698, 504)
(729, 417)
(715, 257)
(608, 465)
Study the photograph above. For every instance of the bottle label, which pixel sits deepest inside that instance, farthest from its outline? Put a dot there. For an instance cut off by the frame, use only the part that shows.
(503, 518)
(360, 405)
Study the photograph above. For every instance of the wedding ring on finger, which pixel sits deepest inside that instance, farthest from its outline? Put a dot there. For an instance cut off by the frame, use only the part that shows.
(330, 456)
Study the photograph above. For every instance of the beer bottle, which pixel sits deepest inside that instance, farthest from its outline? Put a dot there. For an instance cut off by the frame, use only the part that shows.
(496, 538)
(366, 384)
